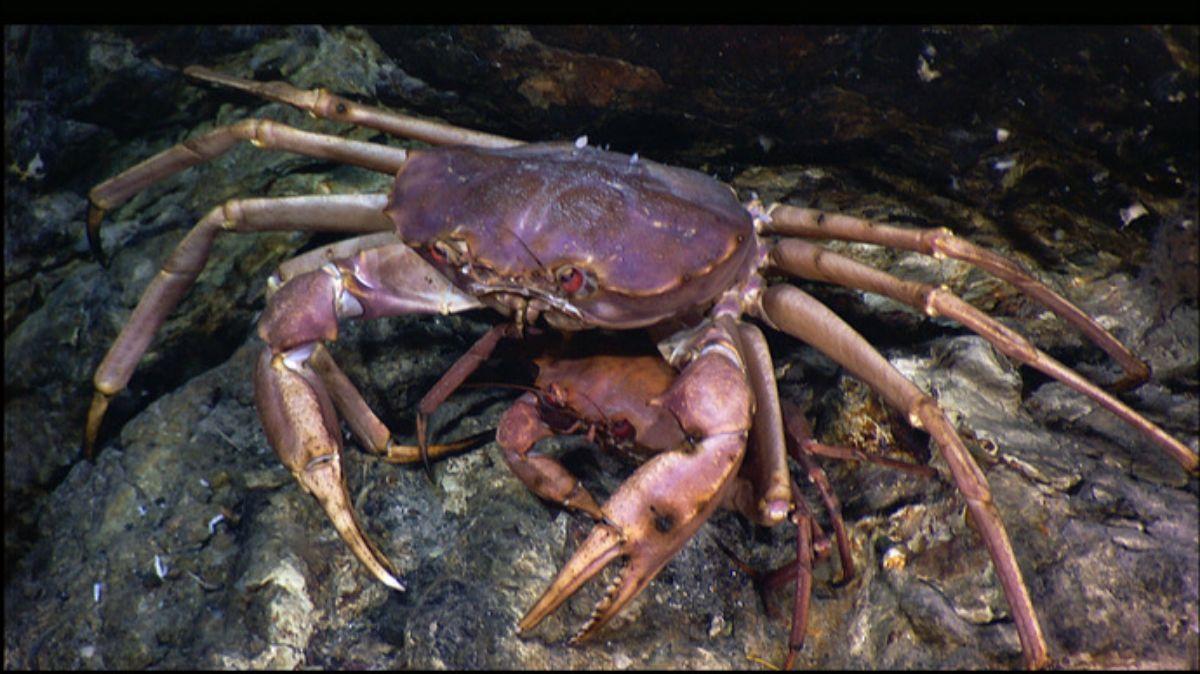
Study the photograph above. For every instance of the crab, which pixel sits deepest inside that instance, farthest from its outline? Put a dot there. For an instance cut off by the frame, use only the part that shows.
(580, 238)
(615, 399)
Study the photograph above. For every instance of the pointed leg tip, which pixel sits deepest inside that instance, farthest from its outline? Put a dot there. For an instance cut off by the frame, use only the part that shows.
(578, 639)
(95, 418)
(94, 218)
(526, 625)
(392, 582)
(322, 478)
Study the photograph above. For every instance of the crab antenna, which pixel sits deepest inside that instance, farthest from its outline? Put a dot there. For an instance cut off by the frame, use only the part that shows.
(541, 395)
(599, 410)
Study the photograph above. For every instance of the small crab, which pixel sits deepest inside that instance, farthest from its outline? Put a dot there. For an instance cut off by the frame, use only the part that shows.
(617, 401)
(580, 238)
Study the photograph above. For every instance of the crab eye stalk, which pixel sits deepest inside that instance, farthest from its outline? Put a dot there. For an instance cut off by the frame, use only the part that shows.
(571, 279)
(437, 251)
(448, 251)
(622, 430)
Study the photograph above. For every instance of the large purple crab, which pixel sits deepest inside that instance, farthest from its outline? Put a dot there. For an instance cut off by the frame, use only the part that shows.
(581, 238)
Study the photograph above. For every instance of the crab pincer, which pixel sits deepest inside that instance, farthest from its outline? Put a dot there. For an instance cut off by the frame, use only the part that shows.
(299, 418)
(658, 509)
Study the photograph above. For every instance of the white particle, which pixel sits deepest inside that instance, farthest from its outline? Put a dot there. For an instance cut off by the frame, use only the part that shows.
(1002, 135)
(97, 591)
(924, 71)
(716, 625)
(633, 158)
(160, 567)
(1135, 211)
(1004, 164)
(894, 559)
(581, 142)
(212, 524)
(32, 170)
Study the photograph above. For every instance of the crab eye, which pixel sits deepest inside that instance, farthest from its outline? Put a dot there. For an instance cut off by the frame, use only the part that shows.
(450, 251)
(571, 279)
(621, 429)
(437, 251)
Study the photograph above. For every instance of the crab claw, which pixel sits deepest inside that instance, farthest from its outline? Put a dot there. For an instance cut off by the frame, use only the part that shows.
(300, 422)
(322, 478)
(665, 501)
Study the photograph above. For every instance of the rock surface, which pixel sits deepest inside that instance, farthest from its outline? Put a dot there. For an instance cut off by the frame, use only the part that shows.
(186, 543)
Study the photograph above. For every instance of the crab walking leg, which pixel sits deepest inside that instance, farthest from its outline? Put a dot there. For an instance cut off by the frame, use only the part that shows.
(449, 382)
(803, 317)
(802, 446)
(372, 433)
(941, 242)
(811, 446)
(799, 434)
(262, 133)
(293, 401)
(814, 262)
(321, 103)
(765, 465)
(665, 501)
(803, 519)
(331, 213)
(521, 427)
(322, 255)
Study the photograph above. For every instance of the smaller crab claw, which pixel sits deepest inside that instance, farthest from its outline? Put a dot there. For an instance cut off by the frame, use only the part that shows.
(300, 422)
(658, 509)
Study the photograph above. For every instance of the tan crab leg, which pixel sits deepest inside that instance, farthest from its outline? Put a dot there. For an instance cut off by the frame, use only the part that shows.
(941, 242)
(665, 501)
(262, 133)
(766, 464)
(522, 427)
(321, 103)
(372, 433)
(322, 255)
(295, 405)
(798, 314)
(332, 213)
(817, 263)
(298, 417)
